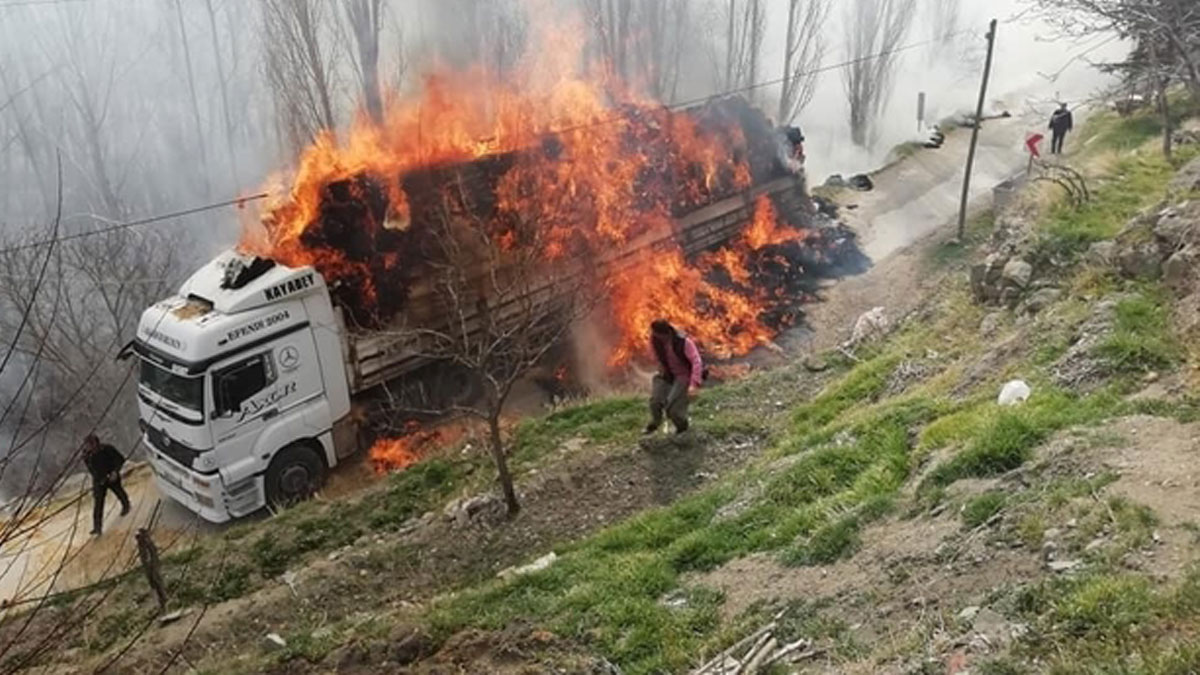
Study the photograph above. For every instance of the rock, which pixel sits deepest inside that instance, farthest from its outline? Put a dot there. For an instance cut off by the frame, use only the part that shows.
(1140, 260)
(1040, 300)
(348, 657)
(1063, 566)
(574, 444)
(1177, 270)
(1094, 544)
(861, 182)
(1186, 179)
(993, 627)
(815, 364)
(535, 566)
(968, 613)
(1014, 392)
(463, 511)
(1101, 253)
(1018, 272)
(1052, 533)
(1073, 523)
(990, 324)
(172, 617)
(870, 325)
(274, 641)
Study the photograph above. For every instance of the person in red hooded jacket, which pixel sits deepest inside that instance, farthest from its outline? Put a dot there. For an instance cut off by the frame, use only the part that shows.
(680, 373)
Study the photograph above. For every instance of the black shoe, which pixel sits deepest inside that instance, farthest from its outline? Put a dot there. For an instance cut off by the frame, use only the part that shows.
(681, 427)
(95, 533)
(650, 428)
(125, 510)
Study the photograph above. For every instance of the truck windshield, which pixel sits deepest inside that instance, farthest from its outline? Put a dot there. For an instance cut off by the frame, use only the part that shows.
(185, 391)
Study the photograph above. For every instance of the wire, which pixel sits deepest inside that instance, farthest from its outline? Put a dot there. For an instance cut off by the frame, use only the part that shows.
(34, 3)
(135, 223)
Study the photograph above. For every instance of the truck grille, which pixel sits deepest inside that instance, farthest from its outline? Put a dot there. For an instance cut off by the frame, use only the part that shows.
(171, 448)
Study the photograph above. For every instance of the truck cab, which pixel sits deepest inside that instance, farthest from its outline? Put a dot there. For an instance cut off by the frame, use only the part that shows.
(243, 394)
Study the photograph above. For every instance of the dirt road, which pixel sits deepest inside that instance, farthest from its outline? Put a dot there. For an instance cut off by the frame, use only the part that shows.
(914, 203)
(55, 552)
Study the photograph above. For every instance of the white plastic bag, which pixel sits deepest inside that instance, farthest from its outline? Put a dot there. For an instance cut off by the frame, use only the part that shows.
(1014, 392)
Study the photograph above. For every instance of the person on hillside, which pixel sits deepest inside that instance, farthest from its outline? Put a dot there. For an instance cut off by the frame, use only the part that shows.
(680, 374)
(1061, 122)
(104, 462)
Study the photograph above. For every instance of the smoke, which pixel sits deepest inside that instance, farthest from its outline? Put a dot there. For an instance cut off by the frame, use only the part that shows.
(949, 74)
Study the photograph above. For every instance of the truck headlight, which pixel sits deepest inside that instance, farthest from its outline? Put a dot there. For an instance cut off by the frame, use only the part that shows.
(201, 482)
(205, 500)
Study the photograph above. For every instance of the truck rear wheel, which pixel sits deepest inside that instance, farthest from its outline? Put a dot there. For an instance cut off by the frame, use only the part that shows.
(294, 475)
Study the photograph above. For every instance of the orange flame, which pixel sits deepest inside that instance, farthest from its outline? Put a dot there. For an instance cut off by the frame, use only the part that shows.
(616, 166)
(397, 454)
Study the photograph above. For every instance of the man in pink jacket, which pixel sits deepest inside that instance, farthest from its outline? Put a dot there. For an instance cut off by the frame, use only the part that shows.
(680, 373)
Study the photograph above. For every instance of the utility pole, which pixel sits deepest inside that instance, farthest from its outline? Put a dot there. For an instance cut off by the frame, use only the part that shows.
(966, 191)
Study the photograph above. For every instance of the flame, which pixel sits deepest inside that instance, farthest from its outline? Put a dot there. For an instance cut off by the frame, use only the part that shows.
(584, 161)
(397, 454)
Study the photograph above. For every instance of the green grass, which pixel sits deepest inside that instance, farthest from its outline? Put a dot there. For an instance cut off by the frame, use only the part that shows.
(981, 508)
(1142, 338)
(603, 421)
(1003, 439)
(1138, 179)
(606, 590)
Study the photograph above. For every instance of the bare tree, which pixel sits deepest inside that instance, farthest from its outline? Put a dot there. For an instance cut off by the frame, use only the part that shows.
(944, 17)
(506, 308)
(299, 67)
(366, 20)
(874, 29)
(87, 306)
(802, 54)
(642, 42)
(745, 22)
(191, 82)
(1174, 26)
(223, 87)
(471, 33)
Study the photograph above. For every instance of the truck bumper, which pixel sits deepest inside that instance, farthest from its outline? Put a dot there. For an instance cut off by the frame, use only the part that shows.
(204, 495)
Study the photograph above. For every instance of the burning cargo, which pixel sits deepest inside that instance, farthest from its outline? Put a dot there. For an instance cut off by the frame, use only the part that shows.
(250, 371)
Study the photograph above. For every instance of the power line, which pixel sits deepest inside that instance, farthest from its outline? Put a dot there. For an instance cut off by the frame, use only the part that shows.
(135, 223)
(34, 3)
(670, 106)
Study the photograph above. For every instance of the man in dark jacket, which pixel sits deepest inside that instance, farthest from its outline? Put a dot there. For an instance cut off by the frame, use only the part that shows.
(1060, 123)
(680, 373)
(104, 462)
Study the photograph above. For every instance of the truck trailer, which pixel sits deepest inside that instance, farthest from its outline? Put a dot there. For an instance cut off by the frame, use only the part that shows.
(250, 373)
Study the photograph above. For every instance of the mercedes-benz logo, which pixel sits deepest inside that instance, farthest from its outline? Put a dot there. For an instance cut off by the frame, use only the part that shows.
(289, 358)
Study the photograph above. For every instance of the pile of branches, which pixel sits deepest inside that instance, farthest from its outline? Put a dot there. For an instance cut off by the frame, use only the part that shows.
(758, 651)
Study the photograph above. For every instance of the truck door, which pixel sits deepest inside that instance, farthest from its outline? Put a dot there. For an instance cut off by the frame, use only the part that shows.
(253, 389)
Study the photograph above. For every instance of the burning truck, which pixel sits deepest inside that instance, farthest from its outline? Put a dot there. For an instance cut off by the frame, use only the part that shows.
(250, 373)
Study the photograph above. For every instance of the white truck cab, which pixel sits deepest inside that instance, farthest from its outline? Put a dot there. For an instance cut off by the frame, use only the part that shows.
(243, 394)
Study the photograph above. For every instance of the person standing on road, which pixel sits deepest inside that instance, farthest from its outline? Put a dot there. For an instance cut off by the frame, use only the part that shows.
(104, 462)
(1061, 122)
(680, 374)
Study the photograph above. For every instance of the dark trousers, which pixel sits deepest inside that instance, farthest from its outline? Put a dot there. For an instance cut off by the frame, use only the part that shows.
(99, 491)
(1056, 142)
(671, 398)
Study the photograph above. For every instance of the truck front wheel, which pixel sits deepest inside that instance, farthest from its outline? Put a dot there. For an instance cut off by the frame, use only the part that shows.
(294, 475)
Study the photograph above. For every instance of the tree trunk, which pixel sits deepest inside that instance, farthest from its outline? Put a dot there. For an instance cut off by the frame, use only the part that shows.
(786, 92)
(1164, 106)
(224, 88)
(191, 81)
(497, 448)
